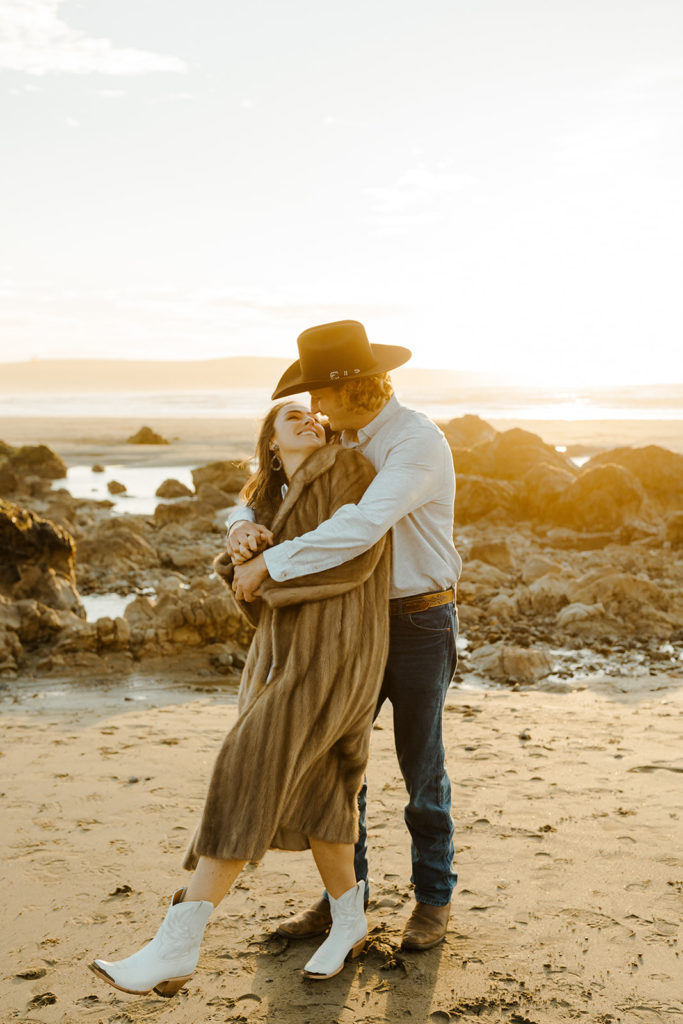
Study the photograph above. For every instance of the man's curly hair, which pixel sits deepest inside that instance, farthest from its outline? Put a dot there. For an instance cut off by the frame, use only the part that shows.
(366, 393)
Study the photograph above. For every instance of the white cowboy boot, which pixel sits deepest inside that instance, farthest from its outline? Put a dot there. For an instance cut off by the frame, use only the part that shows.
(347, 935)
(168, 961)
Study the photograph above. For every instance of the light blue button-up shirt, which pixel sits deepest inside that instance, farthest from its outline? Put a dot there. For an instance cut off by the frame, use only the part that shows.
(412, 495)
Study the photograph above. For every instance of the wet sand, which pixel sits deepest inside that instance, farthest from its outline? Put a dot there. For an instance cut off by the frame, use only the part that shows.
(568, 845)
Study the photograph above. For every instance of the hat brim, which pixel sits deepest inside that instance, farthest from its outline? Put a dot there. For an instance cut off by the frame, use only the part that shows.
(387, 357)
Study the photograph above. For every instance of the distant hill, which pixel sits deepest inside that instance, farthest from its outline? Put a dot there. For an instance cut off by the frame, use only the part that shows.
(69, 375)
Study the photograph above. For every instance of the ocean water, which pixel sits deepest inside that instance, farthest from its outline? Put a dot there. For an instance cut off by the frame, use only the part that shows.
(660, 402)
(141, 483)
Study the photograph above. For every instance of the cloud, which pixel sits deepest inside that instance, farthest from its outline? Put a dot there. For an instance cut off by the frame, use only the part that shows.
(417, 197)
(35, 40)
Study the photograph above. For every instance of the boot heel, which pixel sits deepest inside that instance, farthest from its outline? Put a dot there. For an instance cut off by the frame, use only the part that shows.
(170, 987)
(357, 949)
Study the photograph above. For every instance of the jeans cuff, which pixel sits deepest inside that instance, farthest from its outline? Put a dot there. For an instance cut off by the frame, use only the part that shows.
(432, 902)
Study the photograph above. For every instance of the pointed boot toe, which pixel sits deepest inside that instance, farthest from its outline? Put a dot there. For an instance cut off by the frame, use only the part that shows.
(347, 937)
(167, 962)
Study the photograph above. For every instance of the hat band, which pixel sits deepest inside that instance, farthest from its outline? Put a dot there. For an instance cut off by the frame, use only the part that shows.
(340, 374)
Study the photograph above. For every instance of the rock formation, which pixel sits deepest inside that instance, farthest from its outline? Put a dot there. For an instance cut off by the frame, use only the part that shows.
(146, 435)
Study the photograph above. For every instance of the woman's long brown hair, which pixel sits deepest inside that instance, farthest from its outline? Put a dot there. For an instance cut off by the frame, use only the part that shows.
(263, 490)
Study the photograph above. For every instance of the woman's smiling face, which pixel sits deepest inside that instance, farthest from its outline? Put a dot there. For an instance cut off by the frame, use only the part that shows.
(297, 430)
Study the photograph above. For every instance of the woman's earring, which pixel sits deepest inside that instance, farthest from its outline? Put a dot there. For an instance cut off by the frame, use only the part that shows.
(276, 461)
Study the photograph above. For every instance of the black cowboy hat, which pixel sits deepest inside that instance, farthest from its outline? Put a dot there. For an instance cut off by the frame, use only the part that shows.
(333, 353)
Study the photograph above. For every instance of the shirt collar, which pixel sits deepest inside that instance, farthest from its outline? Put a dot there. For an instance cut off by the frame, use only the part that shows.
(366, 433)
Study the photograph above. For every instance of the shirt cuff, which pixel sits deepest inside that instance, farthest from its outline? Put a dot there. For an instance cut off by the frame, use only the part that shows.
(277, 563)
(239, 514)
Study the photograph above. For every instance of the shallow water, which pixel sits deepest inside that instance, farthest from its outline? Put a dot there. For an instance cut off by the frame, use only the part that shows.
(103, 606)
(141, 482)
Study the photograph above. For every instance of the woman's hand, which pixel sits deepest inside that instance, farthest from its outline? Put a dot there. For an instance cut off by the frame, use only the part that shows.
(246, 540)
(248, 578)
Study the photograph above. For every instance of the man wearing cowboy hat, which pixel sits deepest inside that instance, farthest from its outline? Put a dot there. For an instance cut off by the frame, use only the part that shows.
(412, 495)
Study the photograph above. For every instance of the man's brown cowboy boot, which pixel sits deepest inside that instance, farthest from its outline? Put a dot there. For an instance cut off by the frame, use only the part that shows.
(426, 926)
(308, 923)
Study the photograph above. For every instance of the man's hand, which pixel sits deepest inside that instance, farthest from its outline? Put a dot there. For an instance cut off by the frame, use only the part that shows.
(247, 539)
(248, 578)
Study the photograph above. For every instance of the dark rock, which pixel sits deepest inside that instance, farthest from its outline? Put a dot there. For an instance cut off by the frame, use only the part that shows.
(97, 468)
(509, 455)
(602, 498)
(510, 663)
(146, 435)
(114, 487)
(674, 529)
(543, 484)
(33, 460)
(182, 511)
(226, 476)
(467, 431)
(215, 496)
(117, 544)
(173, 489)
(477, 498)
(36, 557)
(493, 552)
(8, 478)
(659, 470)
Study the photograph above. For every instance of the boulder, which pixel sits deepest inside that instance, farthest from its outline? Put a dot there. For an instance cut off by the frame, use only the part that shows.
(674, 529)
(478, 498)
(182, 512)
(118, 545)
(484, 575)
(493, 552)
(603, 498)
(32, 460)
(193, 556)
(542, 485)
(173, 489)
(114, 487)
(514, 452)
(504, 606)
(659, 470)
(37, 559)
(11, 652)
(214, 496)
(537, 566)
(97, 468)
(203, 615)
(545, 596)
(467, 431)
(146, 435)
(578, 612)
(621, 594)
(226, 476)
(9, 482)
(509, 663)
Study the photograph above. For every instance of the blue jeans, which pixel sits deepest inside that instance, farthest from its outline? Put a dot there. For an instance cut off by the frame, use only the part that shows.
(420, 666)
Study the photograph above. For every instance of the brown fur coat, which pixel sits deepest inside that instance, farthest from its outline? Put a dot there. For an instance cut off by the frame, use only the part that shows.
(292, 765)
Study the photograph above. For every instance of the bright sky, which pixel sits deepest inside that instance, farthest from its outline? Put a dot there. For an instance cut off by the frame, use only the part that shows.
(496, 184)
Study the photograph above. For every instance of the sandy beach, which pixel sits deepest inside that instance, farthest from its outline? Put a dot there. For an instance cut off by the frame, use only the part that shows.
(568, 840)
(566, 802)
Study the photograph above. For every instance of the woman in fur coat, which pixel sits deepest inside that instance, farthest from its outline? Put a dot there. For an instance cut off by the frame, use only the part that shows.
(289, 771)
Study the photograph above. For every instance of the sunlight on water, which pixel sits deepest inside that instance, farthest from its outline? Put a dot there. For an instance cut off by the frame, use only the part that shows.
(141, 482)
(103, 606)
(658, 402)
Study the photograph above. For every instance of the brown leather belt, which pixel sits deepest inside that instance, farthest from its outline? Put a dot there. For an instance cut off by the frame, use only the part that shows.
(420, 602)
